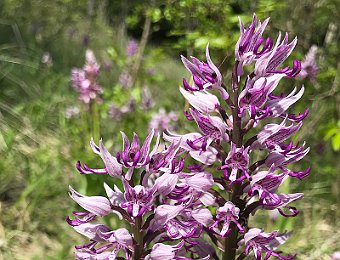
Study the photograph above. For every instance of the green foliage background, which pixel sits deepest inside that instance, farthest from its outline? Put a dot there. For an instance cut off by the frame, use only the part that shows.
(39, 146)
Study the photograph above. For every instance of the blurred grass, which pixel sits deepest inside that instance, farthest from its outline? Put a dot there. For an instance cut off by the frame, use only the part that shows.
(39, 148)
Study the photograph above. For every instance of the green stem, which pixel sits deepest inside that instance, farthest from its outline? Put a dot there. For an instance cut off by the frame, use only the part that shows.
(139, 57)
(138, 235)
(230, 242)
(95, 121)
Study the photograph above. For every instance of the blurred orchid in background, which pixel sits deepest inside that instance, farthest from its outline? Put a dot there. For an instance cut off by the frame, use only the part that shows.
(84, 80)
(309, 67)
(72, 111)
(131, 48)
(162, 120)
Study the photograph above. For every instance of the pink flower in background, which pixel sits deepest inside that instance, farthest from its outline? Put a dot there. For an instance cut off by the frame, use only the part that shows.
(335, 256)
(130, 106)
(114, 112)
(125, 79)
(72, 111)
(309, 67)
(131, 48)
(84, 81)
(147, 100)
(162, 120)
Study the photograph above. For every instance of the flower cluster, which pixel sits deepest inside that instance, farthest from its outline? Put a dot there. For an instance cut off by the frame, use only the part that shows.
(209, 181)
(84, 81)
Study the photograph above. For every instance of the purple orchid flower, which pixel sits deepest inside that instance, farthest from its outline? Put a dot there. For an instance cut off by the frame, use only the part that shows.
(112, 167)
(194, 186)
(248, 46)
(208, 156)
(163, 214)
(259, 242)
(256, 93)
(238, 159)
(278, 105)
(211, 126)
(227, 213)
(137, 200)
(115, 241)
(134, 156)
(182, 222)
(272, 136)
(165, 160)
(267, 64)
(281, 158)
(205, 75)
(264, 184)
(81, 218)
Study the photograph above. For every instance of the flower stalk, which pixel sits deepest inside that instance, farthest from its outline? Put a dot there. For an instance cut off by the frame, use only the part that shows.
(230, 242)
(138, 235)
(95, 119)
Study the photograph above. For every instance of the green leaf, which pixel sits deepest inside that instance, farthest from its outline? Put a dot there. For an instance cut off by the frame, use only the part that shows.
(156, 15)
(336, 142)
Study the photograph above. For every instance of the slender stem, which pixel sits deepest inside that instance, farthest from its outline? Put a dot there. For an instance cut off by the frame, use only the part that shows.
(95, 120)
(139, 57)
(230, 243)
(138, 235)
